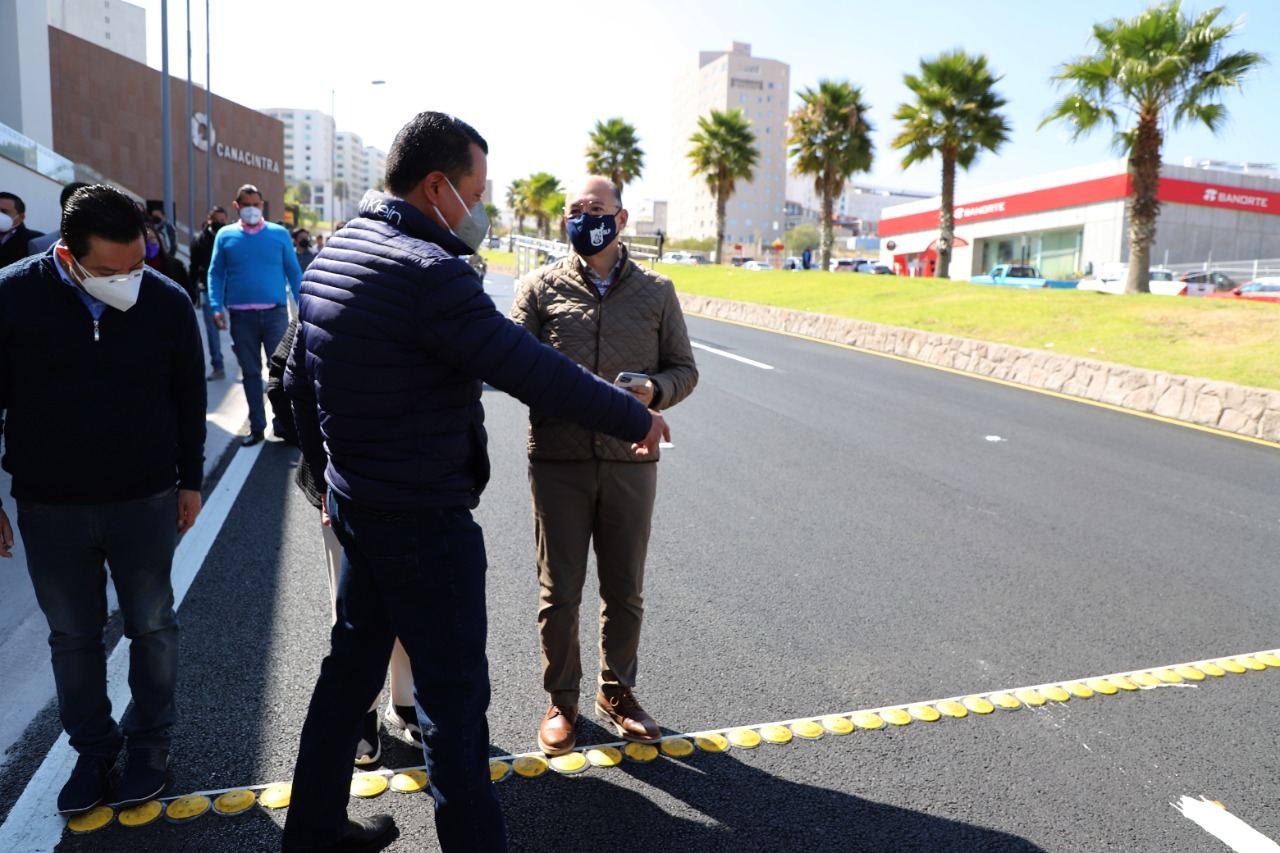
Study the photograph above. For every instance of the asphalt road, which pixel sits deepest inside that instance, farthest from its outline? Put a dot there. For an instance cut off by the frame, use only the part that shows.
(841, 532)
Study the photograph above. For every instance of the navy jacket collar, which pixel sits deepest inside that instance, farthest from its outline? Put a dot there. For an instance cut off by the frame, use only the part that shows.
(404, 217)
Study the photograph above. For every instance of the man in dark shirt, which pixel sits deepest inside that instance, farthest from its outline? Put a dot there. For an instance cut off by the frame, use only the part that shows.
(14, 233)
(102, 401)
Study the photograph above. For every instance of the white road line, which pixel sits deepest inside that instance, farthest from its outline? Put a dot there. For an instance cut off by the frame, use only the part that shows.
(1225, 826)
(758, 364)
(34, 824)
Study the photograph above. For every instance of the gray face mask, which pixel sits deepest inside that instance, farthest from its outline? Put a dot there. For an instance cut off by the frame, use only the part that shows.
(472, 229)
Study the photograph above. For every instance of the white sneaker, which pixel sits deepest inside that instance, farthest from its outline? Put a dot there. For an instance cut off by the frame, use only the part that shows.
(402, 723)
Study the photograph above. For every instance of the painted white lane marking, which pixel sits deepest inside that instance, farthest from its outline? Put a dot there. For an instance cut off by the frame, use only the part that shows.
(758, 364)
(1225, 826)
(34, 824)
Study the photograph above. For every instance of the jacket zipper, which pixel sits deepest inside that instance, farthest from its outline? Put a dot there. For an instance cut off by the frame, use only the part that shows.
(96, 337)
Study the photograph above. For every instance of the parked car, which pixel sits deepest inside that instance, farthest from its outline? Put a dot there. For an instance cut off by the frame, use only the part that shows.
(793, 263)
(1112, 278)
(1265, 289)
(673, 258)
(739, 260)
(881, 269)
(849, 265)
(1020, 275)
(1206, 282)
(757, 265)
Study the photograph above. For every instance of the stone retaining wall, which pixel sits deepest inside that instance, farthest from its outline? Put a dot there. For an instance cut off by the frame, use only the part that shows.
(1253, 412)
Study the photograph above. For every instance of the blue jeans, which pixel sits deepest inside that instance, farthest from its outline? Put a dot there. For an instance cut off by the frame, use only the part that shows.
(211, 332)
(251, 333)
(66, 549)
(418, 575)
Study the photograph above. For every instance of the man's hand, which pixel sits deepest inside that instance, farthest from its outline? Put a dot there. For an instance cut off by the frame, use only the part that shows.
(188, 508)
(644, 392)
(324, 510)
(658, 431)
(220, 320)
(6, 536)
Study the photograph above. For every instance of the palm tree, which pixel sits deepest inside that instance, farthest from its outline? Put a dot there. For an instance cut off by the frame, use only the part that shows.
(615, 151)
(1148, 74)
(956, 114)
(724, 152)
(518, 202)
(542, 186)
(830, 140)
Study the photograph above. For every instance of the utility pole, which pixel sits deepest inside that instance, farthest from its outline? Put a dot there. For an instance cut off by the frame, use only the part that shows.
(190, 149)
(208, 107)
(166, 114)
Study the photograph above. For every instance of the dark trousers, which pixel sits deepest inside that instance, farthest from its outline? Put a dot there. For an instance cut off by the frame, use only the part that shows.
(418, 575)
(577, 505)
(211, 332)
(252, 333)
(67, 547)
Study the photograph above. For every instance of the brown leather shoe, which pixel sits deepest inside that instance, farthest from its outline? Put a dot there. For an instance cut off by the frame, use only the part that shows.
(555, 735)
(628, 719)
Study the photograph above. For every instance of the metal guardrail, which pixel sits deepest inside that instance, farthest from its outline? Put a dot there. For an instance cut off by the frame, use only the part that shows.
(1240, 270)
(27, 152)
(532, 252)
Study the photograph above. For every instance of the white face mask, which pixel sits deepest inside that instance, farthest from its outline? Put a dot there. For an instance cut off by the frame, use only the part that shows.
(118, 291)
(251, 216)
(6, 223)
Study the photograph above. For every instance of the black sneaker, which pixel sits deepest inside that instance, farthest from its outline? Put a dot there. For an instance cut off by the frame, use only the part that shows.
(369, 750)
(87, 787)
(402, 722)
(366, 833)
(146, 773)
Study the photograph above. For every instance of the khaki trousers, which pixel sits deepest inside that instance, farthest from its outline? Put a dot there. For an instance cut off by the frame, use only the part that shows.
(610, 506)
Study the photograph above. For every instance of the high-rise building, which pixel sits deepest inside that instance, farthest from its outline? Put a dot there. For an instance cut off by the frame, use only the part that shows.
(118, 26)
(728, 80)
(309, 153)
(351, 172)
(375, 168)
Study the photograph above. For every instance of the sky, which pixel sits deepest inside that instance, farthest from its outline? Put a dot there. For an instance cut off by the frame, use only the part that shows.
(534, 77)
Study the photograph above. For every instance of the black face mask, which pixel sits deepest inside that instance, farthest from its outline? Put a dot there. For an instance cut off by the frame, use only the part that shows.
(303, 245)
(216, 225)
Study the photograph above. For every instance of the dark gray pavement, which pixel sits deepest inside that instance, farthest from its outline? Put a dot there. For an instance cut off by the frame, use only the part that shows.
(841, 532)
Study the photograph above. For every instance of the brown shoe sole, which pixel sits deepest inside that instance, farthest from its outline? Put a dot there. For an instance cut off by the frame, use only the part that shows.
(603, 713)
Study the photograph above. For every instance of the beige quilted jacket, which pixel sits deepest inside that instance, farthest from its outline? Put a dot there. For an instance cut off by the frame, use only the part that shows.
(638, 327)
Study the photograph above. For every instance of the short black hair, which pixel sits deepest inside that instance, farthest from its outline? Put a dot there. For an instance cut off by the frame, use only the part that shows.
(100, 211)
(431, 142)
(246, 188)
(18, 204)
(68, 190)
(298, 231)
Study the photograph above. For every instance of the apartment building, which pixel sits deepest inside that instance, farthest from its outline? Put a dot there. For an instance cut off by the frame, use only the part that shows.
(727, 80)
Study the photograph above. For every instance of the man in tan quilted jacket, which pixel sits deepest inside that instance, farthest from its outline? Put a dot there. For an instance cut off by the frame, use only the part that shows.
(611, 315)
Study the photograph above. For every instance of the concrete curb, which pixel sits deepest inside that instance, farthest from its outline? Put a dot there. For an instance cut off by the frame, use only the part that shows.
(1250, 412)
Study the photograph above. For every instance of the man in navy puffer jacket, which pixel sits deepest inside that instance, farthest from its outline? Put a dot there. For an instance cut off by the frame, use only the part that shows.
(395, 338)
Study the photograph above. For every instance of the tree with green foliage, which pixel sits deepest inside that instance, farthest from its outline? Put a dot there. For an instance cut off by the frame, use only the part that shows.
(491, 211)
(1148, 74)
(614, 151)
(803, 236)
(542, 187)
(724, 152)
(518, 203)
(956, 115)
(830, 141)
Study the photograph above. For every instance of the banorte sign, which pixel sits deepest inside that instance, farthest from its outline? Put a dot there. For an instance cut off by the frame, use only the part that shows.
(1110, 188)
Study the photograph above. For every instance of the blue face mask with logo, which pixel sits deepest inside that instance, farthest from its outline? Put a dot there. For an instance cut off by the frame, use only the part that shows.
(589, 234)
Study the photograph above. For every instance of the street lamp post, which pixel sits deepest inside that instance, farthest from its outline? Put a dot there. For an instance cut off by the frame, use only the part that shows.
(166, 116)
(189, 148)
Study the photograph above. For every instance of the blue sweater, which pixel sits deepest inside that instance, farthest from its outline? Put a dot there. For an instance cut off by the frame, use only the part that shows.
(88, 422)
(252, 269)
(395, 336)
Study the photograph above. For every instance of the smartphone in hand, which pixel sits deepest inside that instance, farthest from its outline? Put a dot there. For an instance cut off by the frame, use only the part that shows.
(630, 380)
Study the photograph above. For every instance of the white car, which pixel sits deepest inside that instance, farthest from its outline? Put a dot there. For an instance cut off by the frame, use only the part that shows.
(1111, 279)
(757, 265)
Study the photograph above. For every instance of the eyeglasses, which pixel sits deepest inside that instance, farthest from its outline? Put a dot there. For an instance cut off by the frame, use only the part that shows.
(593, 208)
